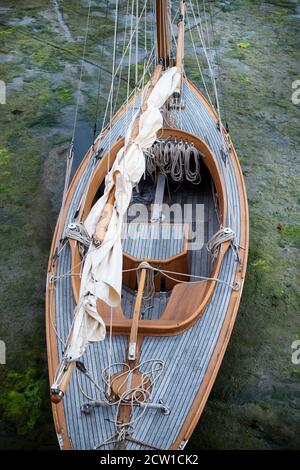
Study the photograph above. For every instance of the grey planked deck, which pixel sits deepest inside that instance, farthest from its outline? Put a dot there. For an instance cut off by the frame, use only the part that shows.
(186, 356)
(156, 241)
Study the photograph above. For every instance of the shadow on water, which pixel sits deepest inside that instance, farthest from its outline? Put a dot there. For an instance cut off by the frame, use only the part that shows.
(83, 140)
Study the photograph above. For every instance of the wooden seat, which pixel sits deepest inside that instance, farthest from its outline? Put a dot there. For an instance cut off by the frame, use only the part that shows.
(161, 245)
(185, 305)
(178, 315)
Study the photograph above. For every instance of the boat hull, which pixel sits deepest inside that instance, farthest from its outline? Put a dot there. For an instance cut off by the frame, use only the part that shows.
(193, 357)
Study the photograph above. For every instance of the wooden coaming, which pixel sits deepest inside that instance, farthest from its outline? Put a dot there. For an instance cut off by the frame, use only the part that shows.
(201, 396)
(180, 319)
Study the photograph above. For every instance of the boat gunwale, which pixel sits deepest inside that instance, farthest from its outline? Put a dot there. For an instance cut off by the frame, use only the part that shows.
(220, 348)
(231, 312)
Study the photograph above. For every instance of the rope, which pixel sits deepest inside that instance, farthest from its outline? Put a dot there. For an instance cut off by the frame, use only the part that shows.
(112, 82)
(201, 37)
(215, 242)
(143, 443)
(122, 58)
(77, 231)
(70, 156)
(136, 44)
(167, 274)
(141, 394)
(99, 83)
(81, 69)
(149, 288)
(198, 62)
(123, 49)
(177, 158)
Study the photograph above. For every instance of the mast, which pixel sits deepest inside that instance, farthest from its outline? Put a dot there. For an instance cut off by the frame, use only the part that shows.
(180, 40)
(163, 34)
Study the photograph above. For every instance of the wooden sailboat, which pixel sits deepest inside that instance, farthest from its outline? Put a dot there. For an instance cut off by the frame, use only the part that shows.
(132, 359)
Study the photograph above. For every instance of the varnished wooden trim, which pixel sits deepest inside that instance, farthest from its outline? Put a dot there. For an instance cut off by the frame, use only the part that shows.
(58, 409)
(224, 337)
(121, 325)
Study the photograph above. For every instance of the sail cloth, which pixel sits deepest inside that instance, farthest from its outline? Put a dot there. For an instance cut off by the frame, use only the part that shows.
(102, 271)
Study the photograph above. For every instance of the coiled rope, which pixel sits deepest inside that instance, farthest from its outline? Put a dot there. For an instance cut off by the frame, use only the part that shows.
(223, 235)
(77, 231)
(150, 369)
(178, 159)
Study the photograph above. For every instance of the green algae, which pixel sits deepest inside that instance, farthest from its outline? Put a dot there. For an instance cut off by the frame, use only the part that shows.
(264, 130)
(244, 45)
(21, 403)
(254, 401)
(291, 235)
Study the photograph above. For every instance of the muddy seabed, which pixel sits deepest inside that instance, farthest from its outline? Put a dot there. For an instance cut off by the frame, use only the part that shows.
(255, 401)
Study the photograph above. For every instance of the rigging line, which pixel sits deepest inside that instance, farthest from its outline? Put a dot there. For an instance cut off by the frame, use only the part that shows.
(152, 11)
(70, 156)
(99, 82)
(123, 49)
(136, 43)
(231, 219)
(171, 25)
(81, 69)
(105, 128)
(198, 62)
(136, 53)
(164, 272)
(217, 60)
(206, 26)
(164, 38)
(56, 46)
(122, 58)
(148, 65)
(129, 68)
(113, 79)
(110, 348)
(145, 47)
(208, 62)
(53, 326)
(225, 172)
(230, 212)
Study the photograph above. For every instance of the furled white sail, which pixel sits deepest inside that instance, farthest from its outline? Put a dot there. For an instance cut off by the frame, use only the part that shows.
(102, 271)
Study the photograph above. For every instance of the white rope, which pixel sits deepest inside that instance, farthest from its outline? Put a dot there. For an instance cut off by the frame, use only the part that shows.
(167, 274)
(230, 213)
(201, 37)
(110, 346)
(149, 288)
(70, 156)
(112, 82)
(179, 159)
(214, 243)
(121, 60)
(123, 49)
(136, 44)
(81, 69)
(129, 68)
(206, 24)
(77, 231)
(131, 396)
(198, 62)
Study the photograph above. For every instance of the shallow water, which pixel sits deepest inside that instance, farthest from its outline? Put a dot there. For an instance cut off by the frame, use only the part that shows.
(256, 399)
